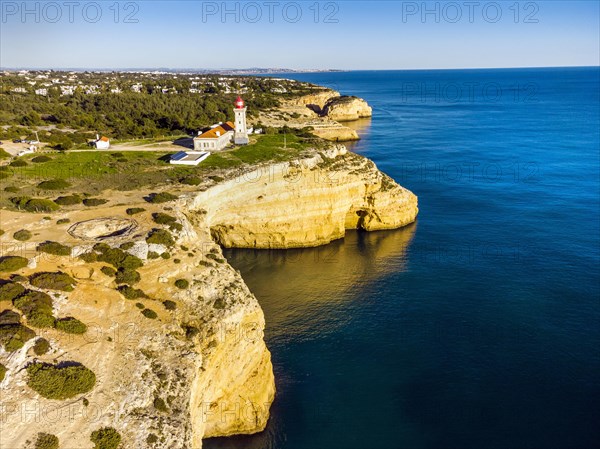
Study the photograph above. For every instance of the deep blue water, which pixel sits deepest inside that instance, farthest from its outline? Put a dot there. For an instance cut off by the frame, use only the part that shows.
(477, 327)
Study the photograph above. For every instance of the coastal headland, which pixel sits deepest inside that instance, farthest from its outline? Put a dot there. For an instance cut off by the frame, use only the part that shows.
(115, 286)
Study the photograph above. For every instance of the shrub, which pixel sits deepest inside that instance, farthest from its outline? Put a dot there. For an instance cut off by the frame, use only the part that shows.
(13, 334)
(18, 163)
(62, 381)
(215, 257)
(54, 184)
(127, 245)
(140, 306)
(152, 438)
(2, 372)
(161, 237)
(130, 292)
(162, 218)
(71, 325)
(134, 210)
(37, 307)
(46, 441)
(40, 205)
(120, 259)
(63, 221)
(41, 346)
(109, 271)
(40, 159)
(22, 235)
(191, 180)
(91, 202)
(10, 290)
(54, 248)
(162, 197)
(165, 255)
(170, 305)
(18, 278)
(90, 257)
(12, 263)
(106, 438)
(53, 281)
(4, 154)
(159, 403)
(153, 255)
(68, 200)
(11, 189)
(126, 276)
(182, 284)
(148, 313)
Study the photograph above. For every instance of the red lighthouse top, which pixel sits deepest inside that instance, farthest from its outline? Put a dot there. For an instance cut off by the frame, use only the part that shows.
(239, 103)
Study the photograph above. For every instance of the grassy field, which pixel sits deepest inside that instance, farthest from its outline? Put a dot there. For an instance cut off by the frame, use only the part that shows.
(95, 171)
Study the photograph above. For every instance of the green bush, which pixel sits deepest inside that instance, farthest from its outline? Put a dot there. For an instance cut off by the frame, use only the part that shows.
(191, 180)
(119, 258)
(2, 372)
(11, 189)
(40, 205)
(70, 325)
(4, 154)
(69, 200)
(22, 235)
(62, 381)
(140, 306)
(54, 184)
(162, 197)
(160, 237)
(18, 163)
(10, 290)
(90, 257)
(109, 271)
(148, 313)
(41, 346)
(106, 438)
(91, 202)
(182, 284)
(53, 281)
(63, 221)
(46, 441)
(40, 159)
(135, 210)
(216, 258)
(13, 334)
(126, 276)
(162, 218)
(169, 305)
(130, 292)
(165, 256)
(153, 255)
(127, 245)
(37, 307)
(159, 403)
(18, 278)
(54, 248)
(12, 263)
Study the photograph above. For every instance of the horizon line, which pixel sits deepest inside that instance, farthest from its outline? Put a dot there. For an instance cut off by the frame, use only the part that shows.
(277, 69)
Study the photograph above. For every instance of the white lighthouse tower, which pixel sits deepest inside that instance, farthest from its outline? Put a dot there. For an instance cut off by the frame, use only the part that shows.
(240, 137)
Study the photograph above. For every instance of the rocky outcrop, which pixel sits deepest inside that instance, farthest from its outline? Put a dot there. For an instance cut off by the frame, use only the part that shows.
(308, 202)
(346, 108)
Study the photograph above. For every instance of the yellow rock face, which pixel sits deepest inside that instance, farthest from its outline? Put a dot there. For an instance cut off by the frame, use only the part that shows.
(306, 203)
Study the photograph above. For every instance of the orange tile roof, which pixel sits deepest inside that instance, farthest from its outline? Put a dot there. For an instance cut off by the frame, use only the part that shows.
(212, 133)
(104, 139)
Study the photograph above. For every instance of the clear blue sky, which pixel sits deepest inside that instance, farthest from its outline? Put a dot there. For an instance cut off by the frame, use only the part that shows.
(344, 34)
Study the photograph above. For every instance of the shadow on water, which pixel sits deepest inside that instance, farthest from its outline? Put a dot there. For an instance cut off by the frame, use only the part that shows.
(307, 295)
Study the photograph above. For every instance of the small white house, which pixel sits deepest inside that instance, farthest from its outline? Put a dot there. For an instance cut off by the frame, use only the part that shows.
(189, 157)
(102, 143)
(215, 139)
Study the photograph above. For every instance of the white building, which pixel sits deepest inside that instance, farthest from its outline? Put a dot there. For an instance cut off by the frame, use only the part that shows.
(215, 139)
(102, 143)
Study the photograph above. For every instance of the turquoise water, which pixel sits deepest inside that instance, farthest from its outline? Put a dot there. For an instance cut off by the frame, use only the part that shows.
(476, 327)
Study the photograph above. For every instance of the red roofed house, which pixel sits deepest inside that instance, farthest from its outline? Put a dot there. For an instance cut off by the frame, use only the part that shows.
(215, 139)
(102, 143)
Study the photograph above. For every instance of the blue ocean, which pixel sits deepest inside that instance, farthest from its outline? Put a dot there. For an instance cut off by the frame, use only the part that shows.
(479, 325)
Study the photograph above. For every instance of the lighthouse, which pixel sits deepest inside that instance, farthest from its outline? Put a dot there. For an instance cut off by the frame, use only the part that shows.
(240, 137)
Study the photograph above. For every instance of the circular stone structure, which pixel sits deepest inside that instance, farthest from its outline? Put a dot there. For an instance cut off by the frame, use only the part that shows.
(103, 228)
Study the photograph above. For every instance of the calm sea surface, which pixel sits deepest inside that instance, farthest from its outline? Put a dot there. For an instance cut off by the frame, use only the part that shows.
(478, 326)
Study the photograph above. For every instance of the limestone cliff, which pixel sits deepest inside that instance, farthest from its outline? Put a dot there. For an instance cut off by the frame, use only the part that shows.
(346, 108)
(307, 202)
